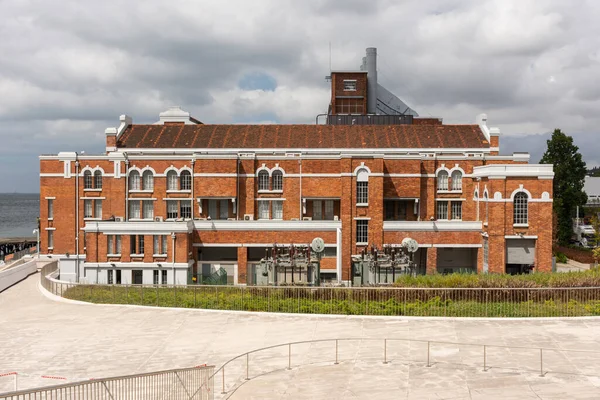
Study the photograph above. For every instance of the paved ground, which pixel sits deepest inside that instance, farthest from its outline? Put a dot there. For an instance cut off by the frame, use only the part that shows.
(39, 336)
(572, 266)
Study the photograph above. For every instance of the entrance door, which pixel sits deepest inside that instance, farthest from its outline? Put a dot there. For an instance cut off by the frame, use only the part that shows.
(137, 276)
(520, 254)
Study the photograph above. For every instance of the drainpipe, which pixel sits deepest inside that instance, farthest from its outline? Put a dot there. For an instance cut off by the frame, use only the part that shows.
(237, 193)
(478, 196)
(76, 217)
(173, 254)
(300, 162)
(192, 205)
(126, 187)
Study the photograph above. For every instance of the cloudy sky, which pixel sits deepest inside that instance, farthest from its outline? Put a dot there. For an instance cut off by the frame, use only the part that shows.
(69, 68)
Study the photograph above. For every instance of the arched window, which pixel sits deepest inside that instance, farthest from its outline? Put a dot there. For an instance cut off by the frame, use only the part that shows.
(442, 180)
(148, 180)
(185, 180)
(277, 180)
(171, 180)
(87, 180)
(362, 186)
(263, 180)
(98, 179)
(456, 180)
(134, 180)
(520, 209)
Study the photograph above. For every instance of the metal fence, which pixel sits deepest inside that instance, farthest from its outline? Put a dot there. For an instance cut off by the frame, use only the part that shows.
(537, 360)
(17, 255)
(438, 302)
(185, 383)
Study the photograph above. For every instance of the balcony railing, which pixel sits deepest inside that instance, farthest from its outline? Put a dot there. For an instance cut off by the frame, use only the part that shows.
(432, 226)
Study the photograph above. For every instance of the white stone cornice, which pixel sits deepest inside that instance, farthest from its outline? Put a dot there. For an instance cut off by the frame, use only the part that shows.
(266, 225)
(432, 226)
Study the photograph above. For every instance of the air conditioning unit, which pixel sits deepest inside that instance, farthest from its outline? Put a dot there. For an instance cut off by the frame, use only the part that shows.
(336, 218)
(119, 219)
(306, 218)
(248, 217)
(158, 219)
(230, 219)
(294, 219)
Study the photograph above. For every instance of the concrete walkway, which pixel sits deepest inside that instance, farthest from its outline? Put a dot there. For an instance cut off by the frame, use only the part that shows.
(39, 336)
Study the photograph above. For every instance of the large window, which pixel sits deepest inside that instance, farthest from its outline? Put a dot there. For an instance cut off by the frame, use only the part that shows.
(172, 180)
(362, 231)
(277, 180)
(134, 180)
(148, 209)
(98, 179)
(457, 180)
(362, 187)
(223, 209)
(87, 180)
(317, 210)
(160, 244)
(50, 239)
(172, 209)
(113, 244)
(349, 85)
(179, 209)
(263, 180)
(148, 180)
(277, 207)
(442, 180)
(185, 209)
(456, 210)
(212, 209)
(329, 209)
(92, 208)
(442, 210)
(270, 209)
(185, 180)
(134, 209)
(520, 211)
(136, 244)
(263, 209)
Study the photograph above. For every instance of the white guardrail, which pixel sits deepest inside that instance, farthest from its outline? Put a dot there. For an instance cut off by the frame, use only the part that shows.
(12, 275)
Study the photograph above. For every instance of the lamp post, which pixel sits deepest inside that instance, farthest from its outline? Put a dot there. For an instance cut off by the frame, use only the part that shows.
(37, 232)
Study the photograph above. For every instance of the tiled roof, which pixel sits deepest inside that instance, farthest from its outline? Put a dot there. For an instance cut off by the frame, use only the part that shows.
(302, 136)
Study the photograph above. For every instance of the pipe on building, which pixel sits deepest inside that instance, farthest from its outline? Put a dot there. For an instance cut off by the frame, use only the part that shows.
(371, 80)
(193, 162)
(300, 163)
(237, 190)
(76, 217)
(173, 254)
(126, 187)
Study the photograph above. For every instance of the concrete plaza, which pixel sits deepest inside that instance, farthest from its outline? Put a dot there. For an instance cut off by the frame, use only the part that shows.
(40, 336)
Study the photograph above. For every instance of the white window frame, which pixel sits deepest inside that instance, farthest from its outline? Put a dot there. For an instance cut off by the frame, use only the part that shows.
(50, 208)
(362, 231)
(457, 181)
(456, 208)
(135, 210)
(317, 210)
(50, 240)
(88, 208)
(223, 209)
(172, 180)
(521, 209)
(263, 209)
(329, 210)
(362, 187)
(148, 209)
(350, 85)
(134, 180)
(442, 180)
(148, 180)
(98, 208)
(88, 180)
(277, 209)
(212, 209)
(277, 180)
(185, 181)
(97, 179)
(172, 207)
(441, 210)
(263, 180)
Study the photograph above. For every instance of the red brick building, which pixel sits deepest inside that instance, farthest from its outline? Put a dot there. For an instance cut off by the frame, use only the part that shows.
(178, 197)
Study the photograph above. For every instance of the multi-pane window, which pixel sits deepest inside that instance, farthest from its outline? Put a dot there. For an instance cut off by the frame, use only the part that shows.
(456, 180)
(134, 209)
(148, 209)
(50, 208)
(50, 239)
(349, 85)
(277, 180)
(362, 231)
(98, 179)
(223, 209)
(171, 180)
(456, 209)
(110, 277)
(92, 208)
(185, 209)
(155, 277)
(442, 180)
(317, 210)
(148, 180)
(277, 209)
(263, 209)
(442, 210)
(329, 209)
(520, 210)
(172, 209)
(87, 209)
(185, 180)
(136, 244)
(160, 244)
(263, 180)
(163, 277)
(113, 244)
(87, 180)
(134, 180)
(362, 187)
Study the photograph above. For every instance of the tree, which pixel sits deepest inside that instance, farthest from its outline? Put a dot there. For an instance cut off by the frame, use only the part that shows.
(569, 176)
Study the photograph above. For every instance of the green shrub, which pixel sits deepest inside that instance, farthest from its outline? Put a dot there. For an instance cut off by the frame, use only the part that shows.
(561, 258)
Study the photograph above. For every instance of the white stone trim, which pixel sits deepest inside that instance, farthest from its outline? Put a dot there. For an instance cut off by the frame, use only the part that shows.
(459, 245)
(362, 218)
(432, 226)
(519, 190)
(51, 175)
(502, 171)
(520, 237)
(50, 198)
(92, 198)
(266, 225)
(146, 228)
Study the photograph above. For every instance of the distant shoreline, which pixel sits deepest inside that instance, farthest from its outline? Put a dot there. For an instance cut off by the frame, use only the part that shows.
(17, 193)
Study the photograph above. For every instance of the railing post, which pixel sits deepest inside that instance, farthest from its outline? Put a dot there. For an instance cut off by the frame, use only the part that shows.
(428, 363)
(289, 356)
(247, 365)
(484, 358)
(223, 381)
(385, 351)
(541, 363)
(336, 352)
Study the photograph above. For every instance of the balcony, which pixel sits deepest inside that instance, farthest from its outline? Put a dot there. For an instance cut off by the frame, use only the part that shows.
(266, 225)
(432, 226)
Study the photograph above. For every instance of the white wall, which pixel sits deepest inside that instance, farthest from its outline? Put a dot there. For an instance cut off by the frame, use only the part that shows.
(10, 276)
